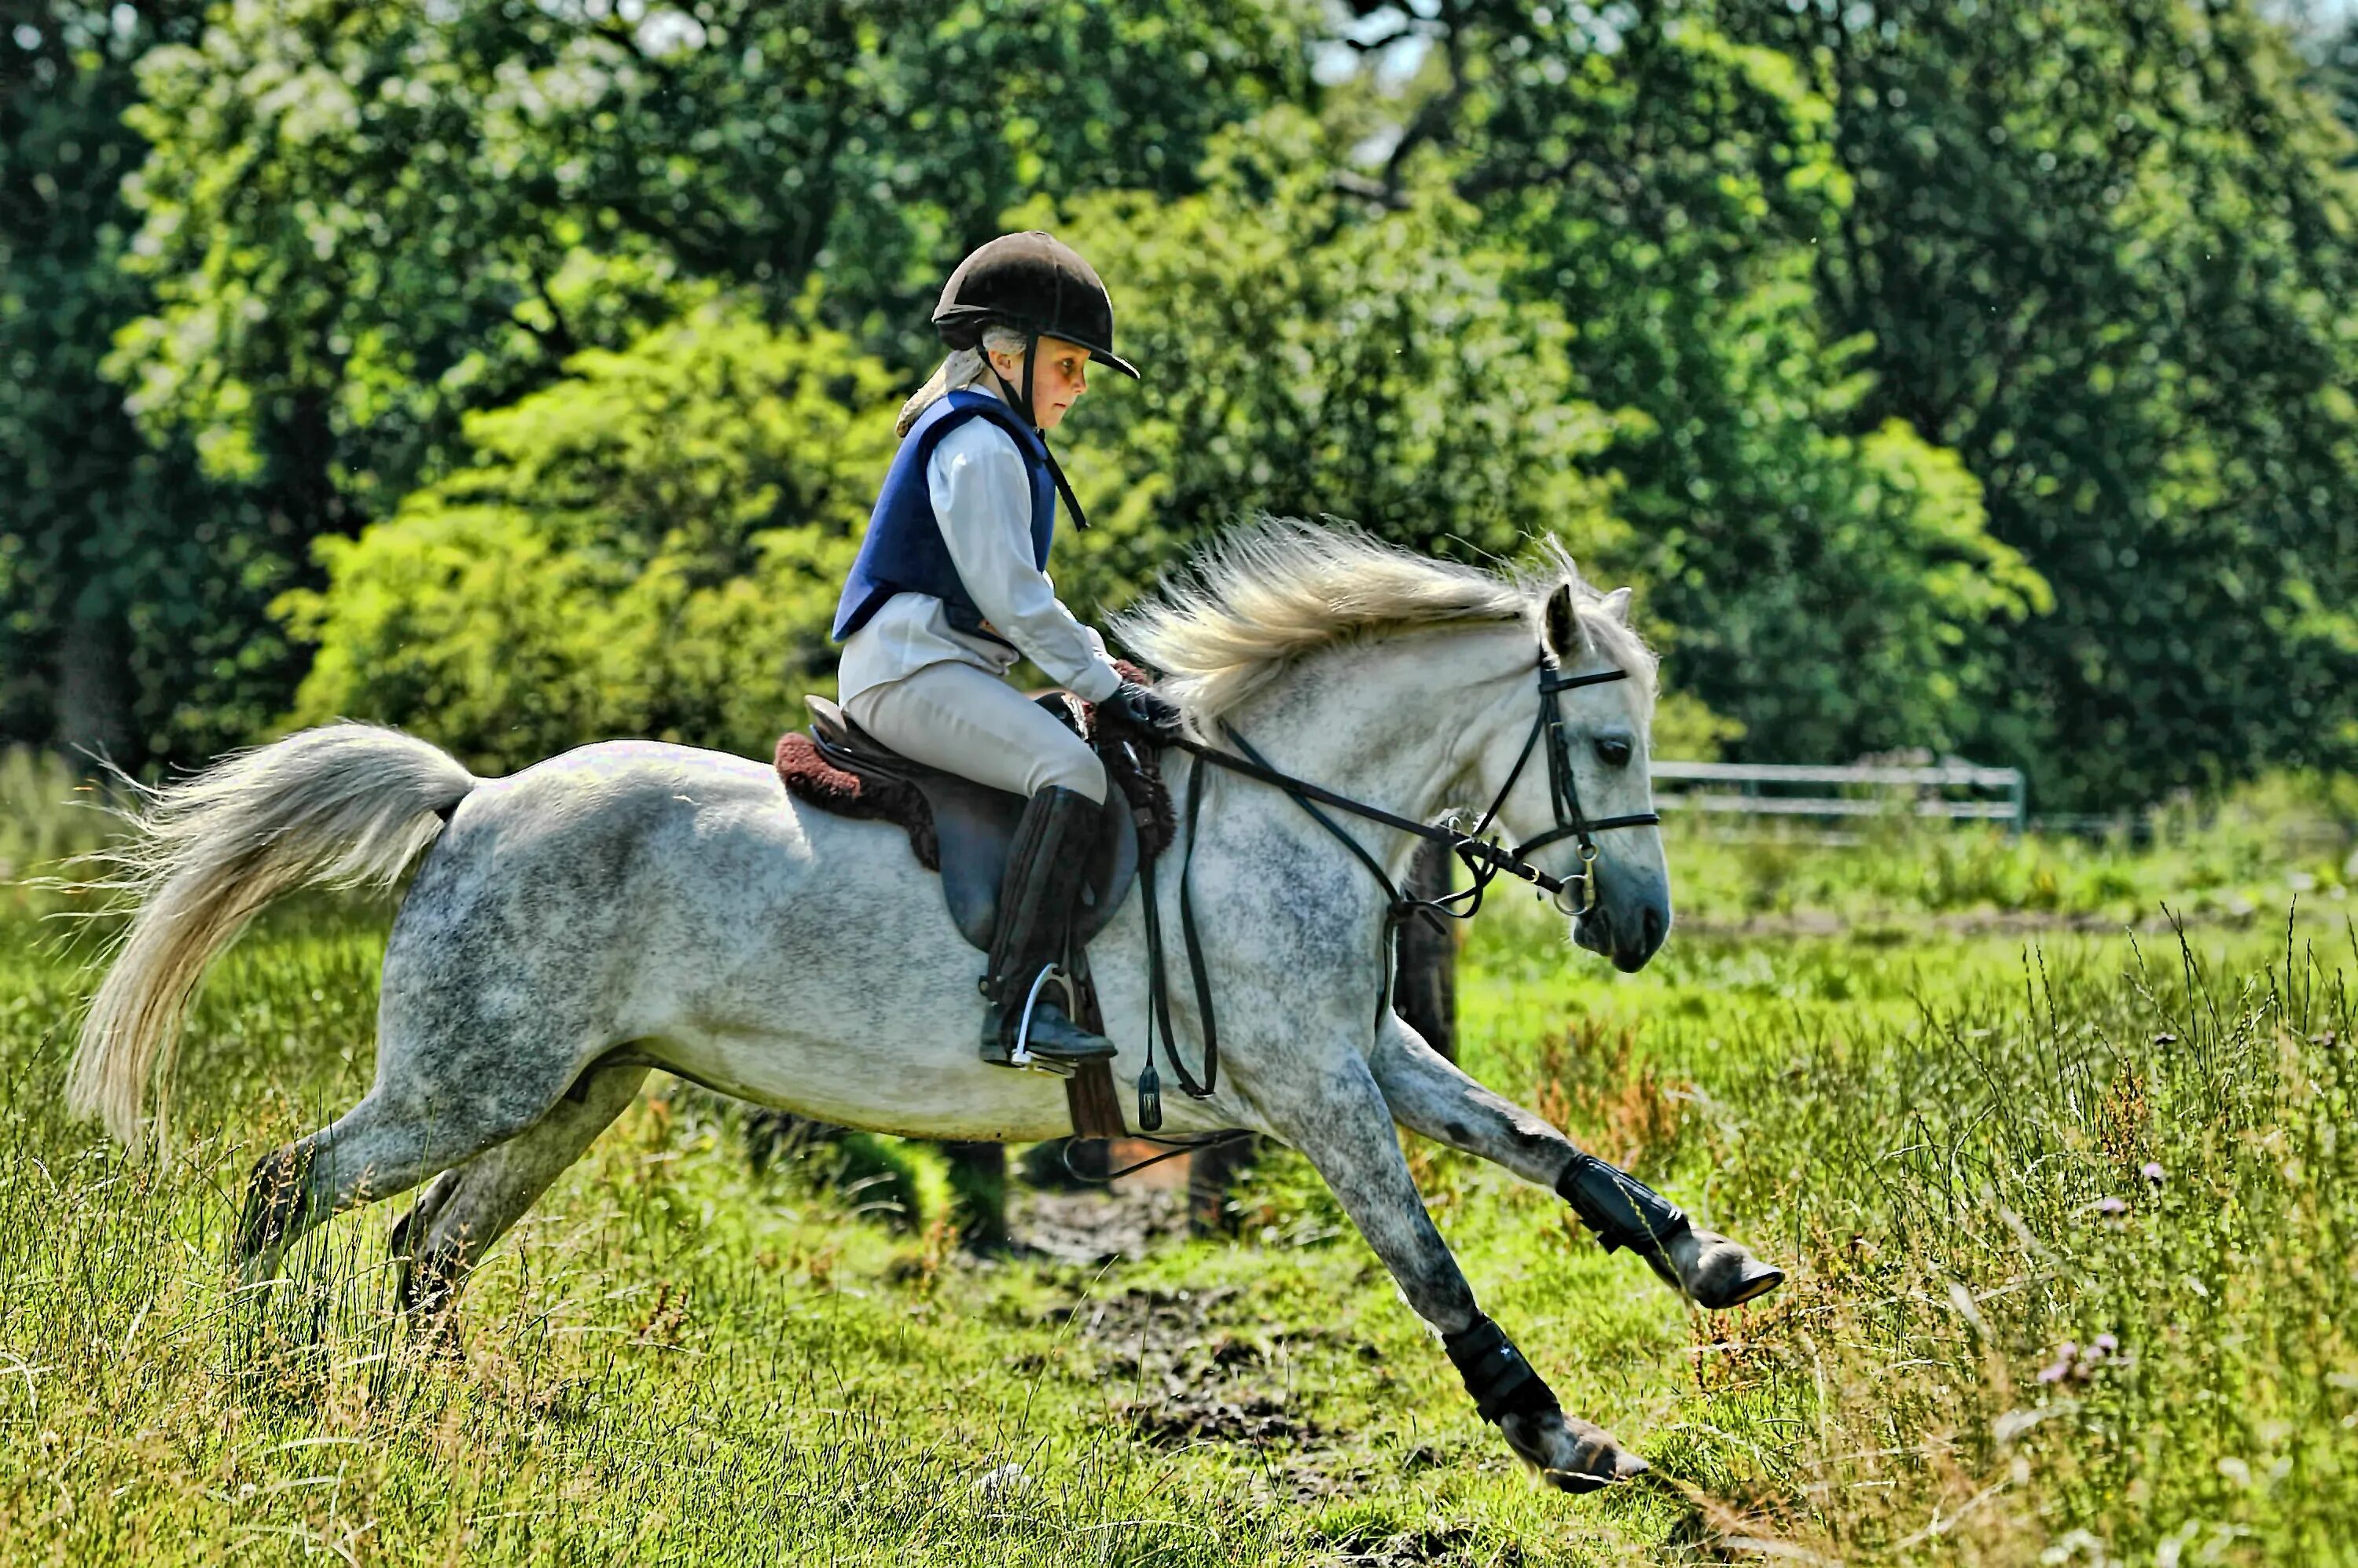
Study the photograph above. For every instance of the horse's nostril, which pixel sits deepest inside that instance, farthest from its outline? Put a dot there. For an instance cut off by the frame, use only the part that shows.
(1653, 928)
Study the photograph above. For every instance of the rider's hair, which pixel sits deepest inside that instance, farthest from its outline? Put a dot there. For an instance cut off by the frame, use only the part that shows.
(963, 368)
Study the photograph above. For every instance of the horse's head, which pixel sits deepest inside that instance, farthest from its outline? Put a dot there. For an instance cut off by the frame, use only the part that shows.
(1583, 754)
(1262, 600)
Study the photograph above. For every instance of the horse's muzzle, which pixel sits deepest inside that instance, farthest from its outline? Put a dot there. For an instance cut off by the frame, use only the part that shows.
(1630, 934)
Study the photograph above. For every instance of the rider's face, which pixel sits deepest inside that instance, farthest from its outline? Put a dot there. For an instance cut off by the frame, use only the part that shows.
(1057, 382)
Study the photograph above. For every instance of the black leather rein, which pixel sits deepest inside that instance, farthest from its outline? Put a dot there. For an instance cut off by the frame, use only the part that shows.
(1485, 859)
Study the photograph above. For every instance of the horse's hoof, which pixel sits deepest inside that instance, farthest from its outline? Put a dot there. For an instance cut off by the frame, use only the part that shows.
(1570, 1455)
(1596, 1462)
(1724, 1274)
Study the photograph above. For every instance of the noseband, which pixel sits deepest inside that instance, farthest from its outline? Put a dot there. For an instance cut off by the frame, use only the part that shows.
(1564, 796)
(1574, 895)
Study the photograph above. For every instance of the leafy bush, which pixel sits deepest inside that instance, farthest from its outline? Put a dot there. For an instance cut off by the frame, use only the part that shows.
(1307, 355)
(652, 546)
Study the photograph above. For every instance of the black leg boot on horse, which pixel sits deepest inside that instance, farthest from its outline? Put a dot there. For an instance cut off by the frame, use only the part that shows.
(1046, 867)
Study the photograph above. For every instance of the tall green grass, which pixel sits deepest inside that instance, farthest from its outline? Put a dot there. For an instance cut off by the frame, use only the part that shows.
(2239, 856)
(1943, 1134)
(49, 812)
(2070, 1223)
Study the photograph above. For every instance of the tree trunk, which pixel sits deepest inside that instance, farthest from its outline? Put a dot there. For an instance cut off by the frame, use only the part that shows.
(91, 711)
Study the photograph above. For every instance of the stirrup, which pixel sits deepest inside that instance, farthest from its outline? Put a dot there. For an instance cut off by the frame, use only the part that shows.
(1000, 1051)
(1021, 1056)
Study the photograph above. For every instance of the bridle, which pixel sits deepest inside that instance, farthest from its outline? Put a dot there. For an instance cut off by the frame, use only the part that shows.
(1563, 796)
(1485, 858)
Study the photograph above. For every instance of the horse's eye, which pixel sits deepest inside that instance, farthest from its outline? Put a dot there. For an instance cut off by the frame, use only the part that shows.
(1612, 750)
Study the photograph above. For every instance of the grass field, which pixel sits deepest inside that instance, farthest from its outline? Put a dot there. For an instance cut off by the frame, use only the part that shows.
(2069, 1214)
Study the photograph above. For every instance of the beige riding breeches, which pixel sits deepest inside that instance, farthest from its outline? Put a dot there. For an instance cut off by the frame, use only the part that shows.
(971, 723)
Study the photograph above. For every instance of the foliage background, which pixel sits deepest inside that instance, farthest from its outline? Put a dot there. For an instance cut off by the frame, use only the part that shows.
(1950, 375)
(1953, 377)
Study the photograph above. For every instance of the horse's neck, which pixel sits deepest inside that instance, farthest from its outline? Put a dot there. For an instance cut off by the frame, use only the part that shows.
(1387, 724)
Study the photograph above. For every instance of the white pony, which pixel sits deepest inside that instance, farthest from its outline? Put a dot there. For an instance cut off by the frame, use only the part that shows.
(630, 904)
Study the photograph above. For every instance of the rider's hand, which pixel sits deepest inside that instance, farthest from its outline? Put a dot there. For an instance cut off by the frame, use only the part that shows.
(1144, 711)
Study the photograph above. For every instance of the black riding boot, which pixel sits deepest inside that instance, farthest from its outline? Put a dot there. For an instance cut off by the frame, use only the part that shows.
(1046, 867)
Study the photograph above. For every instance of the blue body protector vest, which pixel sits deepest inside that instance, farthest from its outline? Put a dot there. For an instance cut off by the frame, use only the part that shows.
(904, 552)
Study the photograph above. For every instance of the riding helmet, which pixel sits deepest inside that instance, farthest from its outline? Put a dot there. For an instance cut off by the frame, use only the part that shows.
(1035, 284)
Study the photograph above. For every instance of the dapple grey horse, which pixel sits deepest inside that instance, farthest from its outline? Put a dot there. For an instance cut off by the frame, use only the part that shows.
(631, 905)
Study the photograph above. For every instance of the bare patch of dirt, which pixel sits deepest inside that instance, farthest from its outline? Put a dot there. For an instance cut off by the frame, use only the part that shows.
(1098, 1225)
(1201, 1365)
(1442, 1544)
(1341, 1471)
(1194, 1374)
(1198, 1414)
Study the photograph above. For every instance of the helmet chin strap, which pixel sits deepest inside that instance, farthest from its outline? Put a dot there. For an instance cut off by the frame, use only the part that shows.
(1022, 401)
(1023, 406)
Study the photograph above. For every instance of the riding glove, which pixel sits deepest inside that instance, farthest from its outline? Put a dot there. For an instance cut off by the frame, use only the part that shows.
(1142, 711)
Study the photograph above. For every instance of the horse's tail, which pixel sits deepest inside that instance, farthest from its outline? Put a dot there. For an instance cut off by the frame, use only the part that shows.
(345, 805)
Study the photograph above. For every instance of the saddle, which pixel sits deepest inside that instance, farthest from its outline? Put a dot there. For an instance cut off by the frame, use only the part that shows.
(963, 830)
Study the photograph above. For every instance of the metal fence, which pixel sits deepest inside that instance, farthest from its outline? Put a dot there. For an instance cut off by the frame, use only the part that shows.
(1954, 791)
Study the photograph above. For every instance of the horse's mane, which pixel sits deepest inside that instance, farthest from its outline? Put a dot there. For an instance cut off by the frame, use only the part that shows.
(1270, 591)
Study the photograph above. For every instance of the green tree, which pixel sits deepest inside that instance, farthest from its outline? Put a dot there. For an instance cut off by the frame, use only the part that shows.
(356, 222)
(2105, 252)
(650, 546)
(132, 587)
(2333, 72)
(1308, 354)
(408, 213)
(1822, 580)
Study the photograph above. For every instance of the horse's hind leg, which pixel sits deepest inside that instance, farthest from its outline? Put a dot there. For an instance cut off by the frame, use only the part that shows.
(477, 1040)
(456, 1221)
(383, 1146)
(392, 1140)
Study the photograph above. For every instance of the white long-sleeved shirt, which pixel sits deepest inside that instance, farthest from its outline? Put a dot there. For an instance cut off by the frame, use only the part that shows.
(982, 501)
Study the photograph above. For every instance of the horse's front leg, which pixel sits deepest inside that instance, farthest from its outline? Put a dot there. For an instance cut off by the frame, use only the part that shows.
(1429, 1094)
(1335, 1115)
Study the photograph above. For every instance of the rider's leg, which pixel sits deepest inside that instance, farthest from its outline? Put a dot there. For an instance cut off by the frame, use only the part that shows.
(969, 722)
(1430, 1096)
(1046, 866)
(962, 718)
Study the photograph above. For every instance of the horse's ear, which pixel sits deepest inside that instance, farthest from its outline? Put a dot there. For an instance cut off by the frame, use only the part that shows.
(1566, 637)
(1616, 605)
